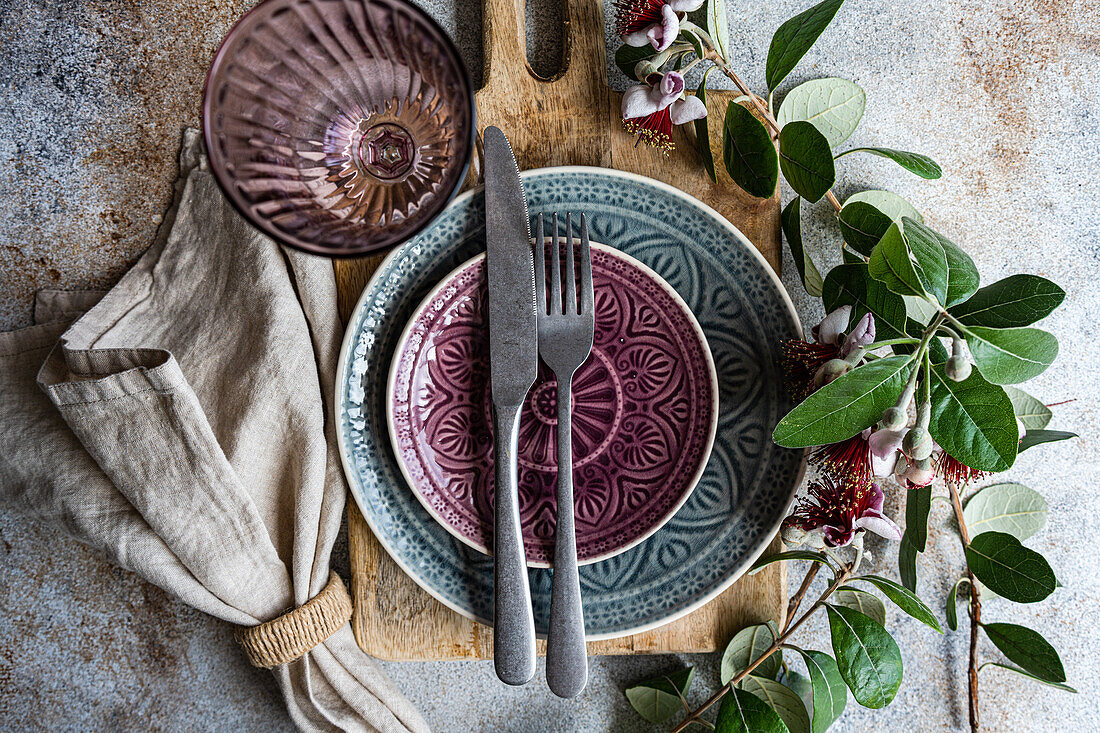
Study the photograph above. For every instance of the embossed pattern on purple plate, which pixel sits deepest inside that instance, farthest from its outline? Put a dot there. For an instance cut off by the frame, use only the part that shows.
(644, 412)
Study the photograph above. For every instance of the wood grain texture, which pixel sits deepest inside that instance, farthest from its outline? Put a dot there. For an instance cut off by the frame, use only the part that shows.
(571, 119)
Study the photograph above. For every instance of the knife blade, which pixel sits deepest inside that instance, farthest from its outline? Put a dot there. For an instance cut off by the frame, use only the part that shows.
(513, 365)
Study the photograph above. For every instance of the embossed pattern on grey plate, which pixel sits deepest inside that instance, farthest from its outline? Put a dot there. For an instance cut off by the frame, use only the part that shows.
(749, 482)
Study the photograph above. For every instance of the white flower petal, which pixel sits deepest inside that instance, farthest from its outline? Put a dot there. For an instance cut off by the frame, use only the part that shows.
(684, 6)
(830, 328)
(686, 110)
(880, 525)
(637, 102)
(637, 38)
(662, 35)
(884, 466)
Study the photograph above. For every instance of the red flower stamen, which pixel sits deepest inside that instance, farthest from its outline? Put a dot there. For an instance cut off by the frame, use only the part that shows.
(848, 461)
(800, 361)
(653, 129)
(957, 473)
(635, 15)
(833, 507)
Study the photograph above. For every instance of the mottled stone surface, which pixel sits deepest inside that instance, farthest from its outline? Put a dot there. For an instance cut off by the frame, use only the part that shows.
(1003, 93)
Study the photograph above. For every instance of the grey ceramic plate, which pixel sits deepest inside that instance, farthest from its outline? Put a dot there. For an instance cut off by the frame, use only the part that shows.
(749, 482)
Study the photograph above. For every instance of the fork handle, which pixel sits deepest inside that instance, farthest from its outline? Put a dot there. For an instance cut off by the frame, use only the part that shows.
(566, 654)
(513, 620)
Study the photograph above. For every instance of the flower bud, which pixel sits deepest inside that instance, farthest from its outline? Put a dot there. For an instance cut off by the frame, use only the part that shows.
(924, 414)
(919, 473)
(829, 371)
(894, 419)
(957, 368)
(647, 67)
(795, 536)
(917, 444)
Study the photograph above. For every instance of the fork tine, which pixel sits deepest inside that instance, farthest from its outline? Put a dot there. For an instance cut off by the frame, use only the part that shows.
(570, 282)
(555, 269)
(586, 272)
(540, 267)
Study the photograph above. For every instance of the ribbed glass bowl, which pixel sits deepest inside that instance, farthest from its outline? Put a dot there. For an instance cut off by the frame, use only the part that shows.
(339, 127)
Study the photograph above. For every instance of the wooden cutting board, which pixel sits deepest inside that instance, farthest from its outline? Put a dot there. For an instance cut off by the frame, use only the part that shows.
(571, 119)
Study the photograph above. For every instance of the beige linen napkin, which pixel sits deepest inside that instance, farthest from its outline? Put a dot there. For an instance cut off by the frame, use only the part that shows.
(183, 426)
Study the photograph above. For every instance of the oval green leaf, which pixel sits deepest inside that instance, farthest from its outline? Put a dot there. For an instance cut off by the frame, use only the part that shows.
(794, 38)
(959, 281)
(748, 153)
(1028, 649)
(1010, 569)
(904, 599)
(1019, 671)
(782, 699)
(713, 17)
(860, 600)
(790, 555)
(746, 646)
(659, 698)
(1010, 508)
(792, 230)
(888, 203)
(806, 160)
(953, 605)
(862, 226)
(907, 562)
(1011, 355)
(852, 285)
(830, 693)
(744, 712)
(833, 105)
(800, 685)
(892, 264)
(918, 503)
(921, 165)
(1016, 301)
(846, 406)
(1033, 438)
(973, 421)
(702, 131)
(627, 57)
(1031, 412)
(867, 656)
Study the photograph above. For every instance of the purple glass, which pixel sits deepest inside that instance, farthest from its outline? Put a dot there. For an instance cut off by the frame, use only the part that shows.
(339, 127)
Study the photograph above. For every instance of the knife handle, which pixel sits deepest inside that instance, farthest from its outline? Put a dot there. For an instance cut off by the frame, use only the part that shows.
(513, 620)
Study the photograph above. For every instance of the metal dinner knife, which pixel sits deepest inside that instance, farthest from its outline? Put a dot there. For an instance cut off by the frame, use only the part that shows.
(513, 364)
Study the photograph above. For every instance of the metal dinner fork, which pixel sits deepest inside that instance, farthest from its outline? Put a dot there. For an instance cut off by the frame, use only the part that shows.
(565, 341)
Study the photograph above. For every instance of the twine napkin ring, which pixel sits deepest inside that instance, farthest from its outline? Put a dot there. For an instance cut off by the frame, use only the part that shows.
(290, 636)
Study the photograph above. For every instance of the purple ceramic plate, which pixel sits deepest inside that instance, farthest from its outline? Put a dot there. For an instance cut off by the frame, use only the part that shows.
(645, 409)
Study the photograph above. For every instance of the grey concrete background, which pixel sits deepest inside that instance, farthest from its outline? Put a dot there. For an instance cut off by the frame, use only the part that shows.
(1003, 93)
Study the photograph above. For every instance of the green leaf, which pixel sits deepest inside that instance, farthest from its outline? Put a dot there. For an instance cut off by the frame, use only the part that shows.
(1016, 301)
(806, 160)
(1033, 438)
(922, 165)
(904, 599)
(834, 106)
(862, 226)
(852, 285)
(658, 699)
(744, 712)
(627, 57)
(1017, 670)
(694, 40)
(702, 132)
(961, 275)
(868, 658)
(1010, 508)
(794, 38)
(789, 555)
(782, 699)
(1028, 649)
(860, 600)
(801, 685)
(973, 421)
(888, 203)
(830, 690)
(713, 17)
(918, 503)
(846, 406)
(792, 230)
(848, 257)
(1011, 355)
(920, 310)
(894, 265)
(953, 605)
(748, 153)
(1030, 411)
(744, 648)
(1010, 569)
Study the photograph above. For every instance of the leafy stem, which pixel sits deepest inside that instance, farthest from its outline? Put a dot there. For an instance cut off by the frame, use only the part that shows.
(975, 608)
(696, 715)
